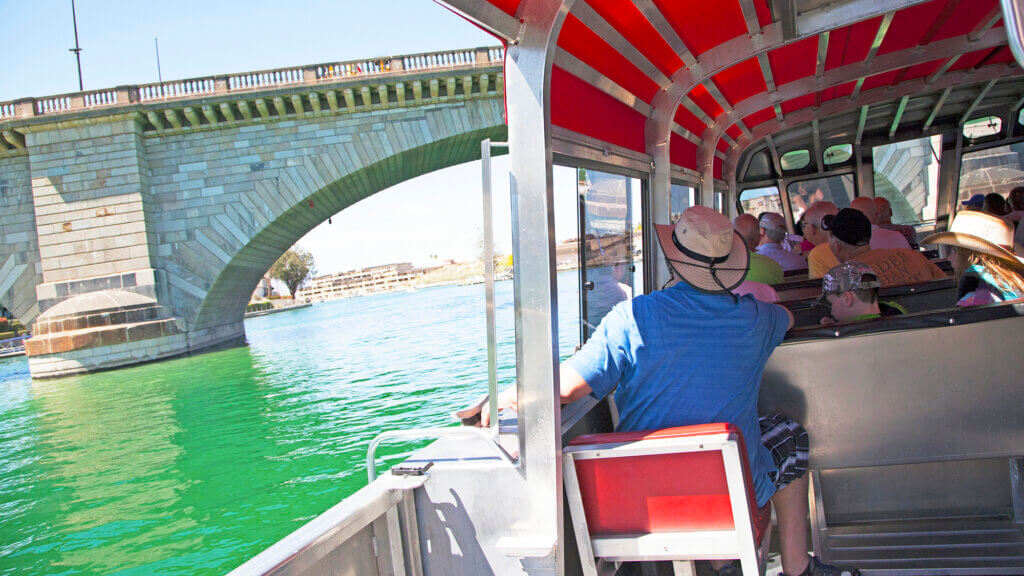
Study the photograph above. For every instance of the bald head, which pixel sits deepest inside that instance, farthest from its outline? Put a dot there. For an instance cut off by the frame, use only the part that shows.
(812, 221)
(746, 226)
(865, 206)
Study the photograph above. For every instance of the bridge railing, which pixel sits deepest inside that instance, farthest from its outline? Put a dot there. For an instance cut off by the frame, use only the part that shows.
(249, 81)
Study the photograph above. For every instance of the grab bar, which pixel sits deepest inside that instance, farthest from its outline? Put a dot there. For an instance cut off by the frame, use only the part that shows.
(1014, 20)
(423, 433)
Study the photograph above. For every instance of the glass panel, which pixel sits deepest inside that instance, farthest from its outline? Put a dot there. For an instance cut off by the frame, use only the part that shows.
(998, 169)
(907, 175)
(837, 154)
(759, 200)
(795, 160)
(718, 200)
(760, 167)
(636, 212)
(608, 234)
(567, 257)
(1020, 116)
(835, 189)
(982, 127)
(682, 198)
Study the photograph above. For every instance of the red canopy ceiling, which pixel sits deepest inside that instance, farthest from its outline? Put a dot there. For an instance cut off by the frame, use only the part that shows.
(637, 61)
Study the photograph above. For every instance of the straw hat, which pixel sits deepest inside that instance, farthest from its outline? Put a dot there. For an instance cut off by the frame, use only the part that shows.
(702, 246)
(980, 232)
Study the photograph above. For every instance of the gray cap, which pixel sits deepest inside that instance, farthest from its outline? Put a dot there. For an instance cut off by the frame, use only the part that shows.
(849, 276)
(772, 221)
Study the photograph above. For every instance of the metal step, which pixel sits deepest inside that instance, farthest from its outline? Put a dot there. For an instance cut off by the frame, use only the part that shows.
(947, 546)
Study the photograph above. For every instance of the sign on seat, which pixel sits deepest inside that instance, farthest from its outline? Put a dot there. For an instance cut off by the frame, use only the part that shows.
(679, 494)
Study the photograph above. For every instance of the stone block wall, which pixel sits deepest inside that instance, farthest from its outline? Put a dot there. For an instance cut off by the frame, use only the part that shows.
(20, 268)
(89, 185)
(230, 201)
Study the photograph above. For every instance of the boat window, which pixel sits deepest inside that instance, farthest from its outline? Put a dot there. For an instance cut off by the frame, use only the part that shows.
(719, 201)
(682, 198)
(983, 127)
(837, 154)
(1020, 116)
(567, 256)
(998, 169)
(760, 167)
(758, 200)
(611, 222)
(907, 175)
(795, 160)
(836, 189)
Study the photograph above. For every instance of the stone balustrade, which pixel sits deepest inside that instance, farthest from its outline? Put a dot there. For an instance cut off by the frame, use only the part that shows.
(249, 81)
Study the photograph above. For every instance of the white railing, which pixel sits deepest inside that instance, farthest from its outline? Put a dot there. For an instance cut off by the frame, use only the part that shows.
(317, 73)
(53, 104)
(101, 98)
(176, 89)
(264, 79)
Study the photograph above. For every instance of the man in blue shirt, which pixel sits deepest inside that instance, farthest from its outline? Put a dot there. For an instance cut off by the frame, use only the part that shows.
(694, 354)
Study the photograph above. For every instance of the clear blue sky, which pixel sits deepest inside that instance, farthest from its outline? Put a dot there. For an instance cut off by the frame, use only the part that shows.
(436, 214)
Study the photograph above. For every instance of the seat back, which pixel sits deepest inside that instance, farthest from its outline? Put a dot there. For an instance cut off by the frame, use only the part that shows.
(672, 484)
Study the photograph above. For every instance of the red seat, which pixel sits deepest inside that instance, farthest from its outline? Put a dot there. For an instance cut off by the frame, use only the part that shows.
(678, 494)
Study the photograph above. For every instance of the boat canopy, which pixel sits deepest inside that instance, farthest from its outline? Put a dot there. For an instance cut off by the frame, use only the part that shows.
(690, 85)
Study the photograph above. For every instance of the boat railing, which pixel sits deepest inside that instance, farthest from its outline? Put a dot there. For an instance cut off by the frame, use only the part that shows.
(371, 531)
(426, 433)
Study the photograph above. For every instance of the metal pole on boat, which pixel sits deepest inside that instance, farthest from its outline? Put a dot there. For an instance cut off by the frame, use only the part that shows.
(492, 350)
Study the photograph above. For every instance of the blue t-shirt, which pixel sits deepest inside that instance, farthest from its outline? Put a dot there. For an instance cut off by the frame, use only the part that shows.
(679, 357)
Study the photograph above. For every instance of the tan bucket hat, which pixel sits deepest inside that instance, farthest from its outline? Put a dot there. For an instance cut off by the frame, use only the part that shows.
(704, 250)
(981, 232)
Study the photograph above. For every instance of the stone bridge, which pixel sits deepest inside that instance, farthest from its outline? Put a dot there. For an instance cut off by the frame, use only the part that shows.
(136, 221)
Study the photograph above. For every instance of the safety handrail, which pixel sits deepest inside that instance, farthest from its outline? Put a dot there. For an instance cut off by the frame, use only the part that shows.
(422, 434)
(1014, 20)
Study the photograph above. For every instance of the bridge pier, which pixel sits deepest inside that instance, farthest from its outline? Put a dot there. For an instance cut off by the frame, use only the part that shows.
(102, 302)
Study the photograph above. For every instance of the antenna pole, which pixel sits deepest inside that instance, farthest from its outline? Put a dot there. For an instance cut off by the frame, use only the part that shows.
(77, 49)
(159, 75)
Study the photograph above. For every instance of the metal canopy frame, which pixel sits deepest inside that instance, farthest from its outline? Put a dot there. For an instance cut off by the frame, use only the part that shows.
(531, 28)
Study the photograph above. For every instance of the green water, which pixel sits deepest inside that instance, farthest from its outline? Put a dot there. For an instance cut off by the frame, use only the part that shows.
(191, 466)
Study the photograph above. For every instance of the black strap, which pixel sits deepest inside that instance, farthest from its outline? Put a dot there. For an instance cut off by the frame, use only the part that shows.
(698, 257)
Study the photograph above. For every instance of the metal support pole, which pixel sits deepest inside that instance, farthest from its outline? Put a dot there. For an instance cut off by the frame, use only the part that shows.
(492, 351)
(77, 49)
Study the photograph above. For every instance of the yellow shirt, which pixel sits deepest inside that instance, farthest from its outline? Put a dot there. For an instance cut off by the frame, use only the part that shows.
(820, 260)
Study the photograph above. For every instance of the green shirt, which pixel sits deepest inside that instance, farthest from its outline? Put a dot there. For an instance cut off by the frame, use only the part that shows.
(763, 269)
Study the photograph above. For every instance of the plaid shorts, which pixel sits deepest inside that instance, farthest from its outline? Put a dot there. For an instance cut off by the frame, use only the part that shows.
(787, 441)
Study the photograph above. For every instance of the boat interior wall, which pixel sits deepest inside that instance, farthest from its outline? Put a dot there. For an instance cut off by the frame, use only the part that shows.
(876, 407)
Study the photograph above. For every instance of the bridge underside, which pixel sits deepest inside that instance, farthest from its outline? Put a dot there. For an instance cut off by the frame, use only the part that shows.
(139, 232)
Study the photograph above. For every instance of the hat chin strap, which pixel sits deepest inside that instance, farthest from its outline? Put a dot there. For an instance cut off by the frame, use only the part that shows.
(709, 260)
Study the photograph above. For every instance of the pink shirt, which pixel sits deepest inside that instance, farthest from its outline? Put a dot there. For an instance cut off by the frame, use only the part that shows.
(758, 290)
(882, 239)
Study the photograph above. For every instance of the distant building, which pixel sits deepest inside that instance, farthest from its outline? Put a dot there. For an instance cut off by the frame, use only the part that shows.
(373, 280)
(263, 290)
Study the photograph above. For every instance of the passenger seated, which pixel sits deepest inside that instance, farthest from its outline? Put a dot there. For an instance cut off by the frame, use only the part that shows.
(883, 213)
(1015, 202)
(851, 292)
(851, 240)
(695, 354)
(880, 237)
(762, 268)
(985, 266)
(820, 259)
(772, 232)
(994, 204)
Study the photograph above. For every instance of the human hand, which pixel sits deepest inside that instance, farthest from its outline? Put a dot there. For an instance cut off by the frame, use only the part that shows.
(506, 400)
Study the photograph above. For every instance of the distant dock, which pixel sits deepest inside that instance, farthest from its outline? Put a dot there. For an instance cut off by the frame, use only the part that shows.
(276, 310)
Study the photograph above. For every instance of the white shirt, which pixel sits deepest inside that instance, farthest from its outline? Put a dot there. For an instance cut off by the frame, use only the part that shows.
(785, 258)
(882, 238)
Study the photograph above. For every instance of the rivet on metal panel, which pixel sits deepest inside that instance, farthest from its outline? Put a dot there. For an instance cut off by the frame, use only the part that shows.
(836, 333)
(952, 320)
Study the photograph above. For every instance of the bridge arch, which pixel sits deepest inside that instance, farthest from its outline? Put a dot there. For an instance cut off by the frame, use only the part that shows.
(218, 316)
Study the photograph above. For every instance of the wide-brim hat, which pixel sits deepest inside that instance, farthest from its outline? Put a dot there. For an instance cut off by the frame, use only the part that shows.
(981, 232)
(701, 247)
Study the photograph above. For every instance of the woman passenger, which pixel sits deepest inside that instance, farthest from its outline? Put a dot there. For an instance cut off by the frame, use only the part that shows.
(982, 258)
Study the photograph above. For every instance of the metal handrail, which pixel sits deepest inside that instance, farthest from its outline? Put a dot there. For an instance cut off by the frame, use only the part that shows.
(1013, 17)
(422, 434)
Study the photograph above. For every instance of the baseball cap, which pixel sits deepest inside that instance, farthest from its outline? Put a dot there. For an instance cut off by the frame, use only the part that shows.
(976, 201)
(850, 226)
(772, 221)
(849, 276)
